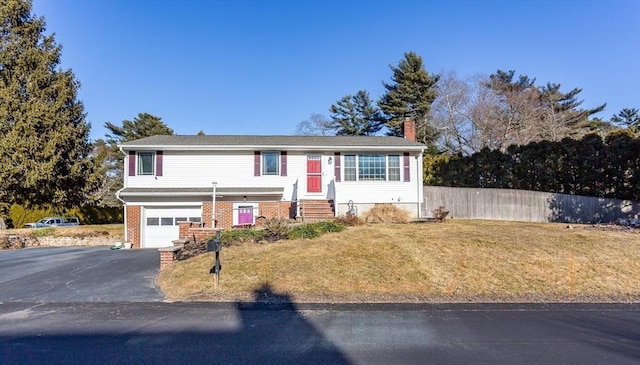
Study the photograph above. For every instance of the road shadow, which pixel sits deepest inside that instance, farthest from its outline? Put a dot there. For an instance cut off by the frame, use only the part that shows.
(267, 330)
(608, 331)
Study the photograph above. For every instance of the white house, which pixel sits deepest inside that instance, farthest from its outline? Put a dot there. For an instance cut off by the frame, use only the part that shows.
(178, 178)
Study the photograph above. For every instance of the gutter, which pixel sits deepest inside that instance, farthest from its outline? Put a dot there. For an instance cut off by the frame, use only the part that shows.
(124, 204)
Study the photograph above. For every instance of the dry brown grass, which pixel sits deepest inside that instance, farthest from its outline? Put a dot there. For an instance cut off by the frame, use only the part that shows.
(111, 230)
(459, 261)
(386, 213)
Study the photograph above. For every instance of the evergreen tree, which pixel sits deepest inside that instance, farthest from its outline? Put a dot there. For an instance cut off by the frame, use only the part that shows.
(144, 125)
(44, 146)
(111, 161)
(629, 118)
(410, 94)
(355, 116)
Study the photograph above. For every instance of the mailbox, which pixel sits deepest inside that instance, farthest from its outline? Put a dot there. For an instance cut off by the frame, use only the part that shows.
(214, 245)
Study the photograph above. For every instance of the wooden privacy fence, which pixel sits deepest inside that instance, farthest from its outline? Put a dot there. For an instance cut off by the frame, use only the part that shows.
(527, 206)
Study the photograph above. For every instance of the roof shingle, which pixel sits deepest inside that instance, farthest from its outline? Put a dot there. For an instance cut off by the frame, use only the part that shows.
(264, 141)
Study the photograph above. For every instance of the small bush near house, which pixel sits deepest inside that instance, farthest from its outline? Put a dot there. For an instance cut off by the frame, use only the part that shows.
(305, 230)
(313, 230)
(276, 229)
(386, 213)
(232, 236)
(349, 220)
(440, 214)
(329, 226)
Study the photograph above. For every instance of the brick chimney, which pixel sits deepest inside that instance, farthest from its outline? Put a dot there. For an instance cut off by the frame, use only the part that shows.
(409, 129)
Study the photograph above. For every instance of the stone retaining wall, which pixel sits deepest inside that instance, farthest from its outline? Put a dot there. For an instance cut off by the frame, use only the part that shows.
(76, 241)
(20, 241)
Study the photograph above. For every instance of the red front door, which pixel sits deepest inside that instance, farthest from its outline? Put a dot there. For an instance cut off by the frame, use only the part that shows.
(314, 174)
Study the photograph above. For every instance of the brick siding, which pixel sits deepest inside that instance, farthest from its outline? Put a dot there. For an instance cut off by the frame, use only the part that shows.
(133, 224)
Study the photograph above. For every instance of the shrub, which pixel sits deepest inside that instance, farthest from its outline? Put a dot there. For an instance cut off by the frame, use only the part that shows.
(386, 213)
(19, 215)
(44, 232)
(276, 229)
(231, 236)
(329, 226)
(349, 220)
(440, 214)
(305, 230)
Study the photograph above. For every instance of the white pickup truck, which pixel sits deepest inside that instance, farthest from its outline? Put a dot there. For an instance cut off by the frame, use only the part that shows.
(54, 222)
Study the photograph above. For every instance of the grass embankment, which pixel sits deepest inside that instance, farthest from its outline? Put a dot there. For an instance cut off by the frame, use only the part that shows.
(457, 261)
(110, 230)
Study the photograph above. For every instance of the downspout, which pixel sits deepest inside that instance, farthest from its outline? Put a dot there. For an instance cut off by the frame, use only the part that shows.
(420, 187)
(213, 206)
(124, 204)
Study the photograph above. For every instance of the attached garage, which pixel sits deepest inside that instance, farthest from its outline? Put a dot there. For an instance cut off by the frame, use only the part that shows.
(160, 224)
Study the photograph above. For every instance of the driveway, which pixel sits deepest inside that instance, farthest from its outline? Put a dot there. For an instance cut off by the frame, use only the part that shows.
(79, 274)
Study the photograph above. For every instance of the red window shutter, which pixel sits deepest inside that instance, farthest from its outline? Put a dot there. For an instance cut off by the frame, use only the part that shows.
(407, 170)
(283, 163)
(336, 166)
(132, 163)
(158, 163)
(256, 163)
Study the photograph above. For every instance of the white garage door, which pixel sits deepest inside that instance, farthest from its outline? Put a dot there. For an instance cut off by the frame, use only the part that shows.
(161, 227)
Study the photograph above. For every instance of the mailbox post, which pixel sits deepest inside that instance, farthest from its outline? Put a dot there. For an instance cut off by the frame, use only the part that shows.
(215, 245)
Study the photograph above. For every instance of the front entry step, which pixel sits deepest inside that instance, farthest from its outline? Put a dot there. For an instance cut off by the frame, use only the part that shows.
(316, 210)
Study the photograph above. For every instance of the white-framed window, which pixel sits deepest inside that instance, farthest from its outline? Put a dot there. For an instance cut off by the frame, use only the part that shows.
(394, 167)
(350, 170)
(372, 167)
(146, 162)
(270, 163)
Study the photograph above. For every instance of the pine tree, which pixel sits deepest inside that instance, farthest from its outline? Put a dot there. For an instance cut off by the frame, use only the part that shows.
(44, 146)
(111, 160)
(144, 125)
(410, 94)
(355, 116)
(629, 118)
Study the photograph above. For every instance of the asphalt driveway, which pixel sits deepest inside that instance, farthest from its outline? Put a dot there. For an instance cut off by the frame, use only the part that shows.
(79, 274)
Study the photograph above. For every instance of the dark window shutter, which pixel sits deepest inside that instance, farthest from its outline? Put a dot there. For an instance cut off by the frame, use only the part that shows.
(158, 163)
(407, 170)
(283, 163)
(132, 163)
(256, 163)
(336, 166)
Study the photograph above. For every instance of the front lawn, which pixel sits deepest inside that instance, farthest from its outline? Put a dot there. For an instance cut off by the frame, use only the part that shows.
(457, 261)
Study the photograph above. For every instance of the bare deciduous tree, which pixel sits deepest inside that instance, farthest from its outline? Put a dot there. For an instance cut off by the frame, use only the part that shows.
(316, 125)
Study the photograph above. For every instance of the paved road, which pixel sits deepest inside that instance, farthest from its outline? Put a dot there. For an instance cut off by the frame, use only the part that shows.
(210, 333)
(79, 274)
(96, 306)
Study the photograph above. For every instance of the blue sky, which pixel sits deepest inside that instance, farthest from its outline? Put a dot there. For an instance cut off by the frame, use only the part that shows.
(261, 67)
